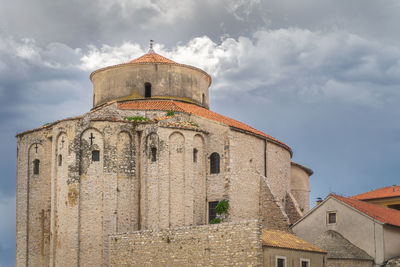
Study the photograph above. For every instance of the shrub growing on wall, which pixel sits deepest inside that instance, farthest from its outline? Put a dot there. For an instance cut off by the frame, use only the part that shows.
(222, 207)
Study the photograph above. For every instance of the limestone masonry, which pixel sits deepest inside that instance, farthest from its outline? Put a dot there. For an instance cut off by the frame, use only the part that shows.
(135, 180)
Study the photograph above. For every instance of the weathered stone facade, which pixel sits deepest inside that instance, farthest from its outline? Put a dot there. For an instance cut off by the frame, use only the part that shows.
(226, 244)
(128, 169)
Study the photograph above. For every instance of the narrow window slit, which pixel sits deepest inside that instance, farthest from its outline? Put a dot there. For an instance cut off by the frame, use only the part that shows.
(195, 154)
(96, 155)
(153, 154)
(60, 160)
(36, 166)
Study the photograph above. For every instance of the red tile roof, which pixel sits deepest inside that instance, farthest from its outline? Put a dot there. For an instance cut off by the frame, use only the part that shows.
(385, 192)
(196, 110)
(152, 57)
(380, 213)
(281, 239)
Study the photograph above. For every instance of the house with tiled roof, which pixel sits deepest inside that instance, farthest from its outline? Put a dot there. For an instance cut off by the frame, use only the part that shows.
(387, 196)
(371, 228)
(286, 249)
(150, 176)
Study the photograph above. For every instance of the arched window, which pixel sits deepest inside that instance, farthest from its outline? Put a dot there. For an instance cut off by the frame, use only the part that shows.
(203, 99)
(153, 154)
(147, 90)
(214, 163)
(36, 164)
(195, 154)
(96, 155)
(59, 160)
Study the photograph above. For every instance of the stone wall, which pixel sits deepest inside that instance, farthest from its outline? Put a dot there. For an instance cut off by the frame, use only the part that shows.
(167, 81)
(76, 203)
(300, 185)
(271, 211)
(292, 209)
(226, 244)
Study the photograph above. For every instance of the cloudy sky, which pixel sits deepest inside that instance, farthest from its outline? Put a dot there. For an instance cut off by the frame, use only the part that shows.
(322, 76)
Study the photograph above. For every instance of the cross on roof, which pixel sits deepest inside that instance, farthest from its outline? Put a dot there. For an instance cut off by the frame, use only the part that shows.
(36, 148)
(91, 138)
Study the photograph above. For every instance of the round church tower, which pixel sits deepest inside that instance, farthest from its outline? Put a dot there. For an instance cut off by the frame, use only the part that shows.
(151, 76)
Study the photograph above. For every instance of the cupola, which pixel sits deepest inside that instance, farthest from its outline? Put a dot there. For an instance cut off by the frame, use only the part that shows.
(151, 76)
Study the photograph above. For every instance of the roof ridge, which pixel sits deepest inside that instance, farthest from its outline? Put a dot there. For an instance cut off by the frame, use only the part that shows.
(379, 193)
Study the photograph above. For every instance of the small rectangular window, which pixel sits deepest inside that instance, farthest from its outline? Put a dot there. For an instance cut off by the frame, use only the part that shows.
(331, 217)
(212, 212)
(280, 261)
(304, 263)
(95, 155)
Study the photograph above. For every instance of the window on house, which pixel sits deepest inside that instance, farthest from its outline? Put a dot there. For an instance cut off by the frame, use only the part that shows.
(203, 99)
(195, 154)
(214, 163)
(153, 154)
(36, 164)
(212, 212)
(280, 261)
(96, 155)
(147, 90)
(304, 263)
(331, 217)
(59, 160)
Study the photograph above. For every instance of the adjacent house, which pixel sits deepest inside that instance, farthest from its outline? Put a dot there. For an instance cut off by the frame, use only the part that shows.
(372, 228)
(282, 249)
(387, 196)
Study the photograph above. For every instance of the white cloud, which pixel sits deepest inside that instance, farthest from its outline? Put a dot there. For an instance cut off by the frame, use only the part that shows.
(312, 65)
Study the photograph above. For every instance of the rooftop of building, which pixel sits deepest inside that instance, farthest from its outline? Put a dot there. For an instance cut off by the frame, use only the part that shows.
(152, 57)
(339, 247)
(282, 239)
(379, 213)
(384, 192)
(178, 106)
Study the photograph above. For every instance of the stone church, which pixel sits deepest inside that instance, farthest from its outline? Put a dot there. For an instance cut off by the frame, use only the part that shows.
(148, 158)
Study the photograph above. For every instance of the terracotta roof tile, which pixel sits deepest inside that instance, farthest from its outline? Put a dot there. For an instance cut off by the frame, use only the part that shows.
(196, 110)
(385, 192)
(380, 213)
(281, 239)
(152, 58)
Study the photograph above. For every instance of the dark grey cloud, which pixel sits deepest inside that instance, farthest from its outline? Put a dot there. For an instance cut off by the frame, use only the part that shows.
(321, 76)
(77, 23)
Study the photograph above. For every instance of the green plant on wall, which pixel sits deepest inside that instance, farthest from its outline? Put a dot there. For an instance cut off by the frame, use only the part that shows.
(215, 221)
(170, 113)
(136, 118)
(222, 207)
